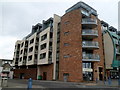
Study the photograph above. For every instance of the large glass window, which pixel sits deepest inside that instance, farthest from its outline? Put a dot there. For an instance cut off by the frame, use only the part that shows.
(43, 46)
(30, 49)
(43, 55)
(22, 44)
(30, 58)
(44, 37)
(87, 65)
(32, 41)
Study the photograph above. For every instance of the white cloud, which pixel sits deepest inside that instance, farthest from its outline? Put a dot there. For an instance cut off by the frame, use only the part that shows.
(18, 18)
(7, 46)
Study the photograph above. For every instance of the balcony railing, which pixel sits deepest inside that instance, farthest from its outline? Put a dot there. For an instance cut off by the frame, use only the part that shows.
(85, 13)
(6, 70)
(91, 57)
(89, 32)
(117, 51)
(90, 44)
(115, 41)
(89, 21)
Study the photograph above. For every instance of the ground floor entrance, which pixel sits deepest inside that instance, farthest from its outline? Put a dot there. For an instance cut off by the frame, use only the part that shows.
(87, 71)
(100, 73)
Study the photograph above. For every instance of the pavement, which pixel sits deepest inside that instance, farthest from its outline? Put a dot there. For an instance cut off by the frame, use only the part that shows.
(19, 83)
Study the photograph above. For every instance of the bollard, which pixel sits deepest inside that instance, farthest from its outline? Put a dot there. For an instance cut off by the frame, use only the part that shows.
(109, 81)
(30, 83)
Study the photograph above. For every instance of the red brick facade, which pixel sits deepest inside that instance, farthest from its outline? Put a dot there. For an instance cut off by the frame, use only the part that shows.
(72, 63)
(70, 22)
(25, 73)
(46, 71)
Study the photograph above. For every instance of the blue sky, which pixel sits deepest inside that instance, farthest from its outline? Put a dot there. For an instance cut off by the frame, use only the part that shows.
(18, 16)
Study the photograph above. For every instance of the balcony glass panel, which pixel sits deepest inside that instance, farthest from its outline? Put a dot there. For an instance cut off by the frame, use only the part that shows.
(91, 57)
(117, 51)
(90, 44)
(89, 21)
(89, 32)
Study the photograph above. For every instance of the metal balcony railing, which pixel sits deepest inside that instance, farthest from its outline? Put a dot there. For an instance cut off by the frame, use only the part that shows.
(90, 44)
(89, 21)
(85, 13)
(89, 32)
(117, 51)
(91, 57)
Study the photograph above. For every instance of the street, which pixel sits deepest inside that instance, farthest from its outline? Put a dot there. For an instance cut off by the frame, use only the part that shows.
(22, 83)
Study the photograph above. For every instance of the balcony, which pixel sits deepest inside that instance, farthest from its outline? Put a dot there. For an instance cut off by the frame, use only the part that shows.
(86, 33)
(89, 22)
(85, 13)
(24, 62)
(117, 51)
(116, 41)
(6, 70)
(50, 48)
(36, 51)
(49, 60)
(36, 43)
(25, 54)
(90, 57)
(90, 45)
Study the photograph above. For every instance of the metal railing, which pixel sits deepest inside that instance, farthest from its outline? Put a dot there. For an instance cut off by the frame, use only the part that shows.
(87, 31)
(89, 21)
(89, 44)
(117, 51)
(91, 56)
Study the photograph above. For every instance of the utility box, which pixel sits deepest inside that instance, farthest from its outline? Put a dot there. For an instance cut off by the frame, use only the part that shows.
(39, 77)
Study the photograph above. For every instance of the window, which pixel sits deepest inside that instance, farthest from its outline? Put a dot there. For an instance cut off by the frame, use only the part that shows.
(20, 59)
(17, 52)
(30, 58)
(44, 37)
(37, 39)
(30, 49)
(18, 47)
(43, 55)
(26, 43)
(22, 44)
(43, 46)
(21, 51)
(67, 22)
(66, 56)
(32, 41)
(66, 33)
(66, 44)
(51, 34)
(50, 54)
(87, 65)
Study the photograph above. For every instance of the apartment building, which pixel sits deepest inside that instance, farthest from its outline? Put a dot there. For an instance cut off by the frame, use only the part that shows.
(81, 49)
(47, 55)
(16, 53)
(38, 52)
(75, 47)
(111, 43)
